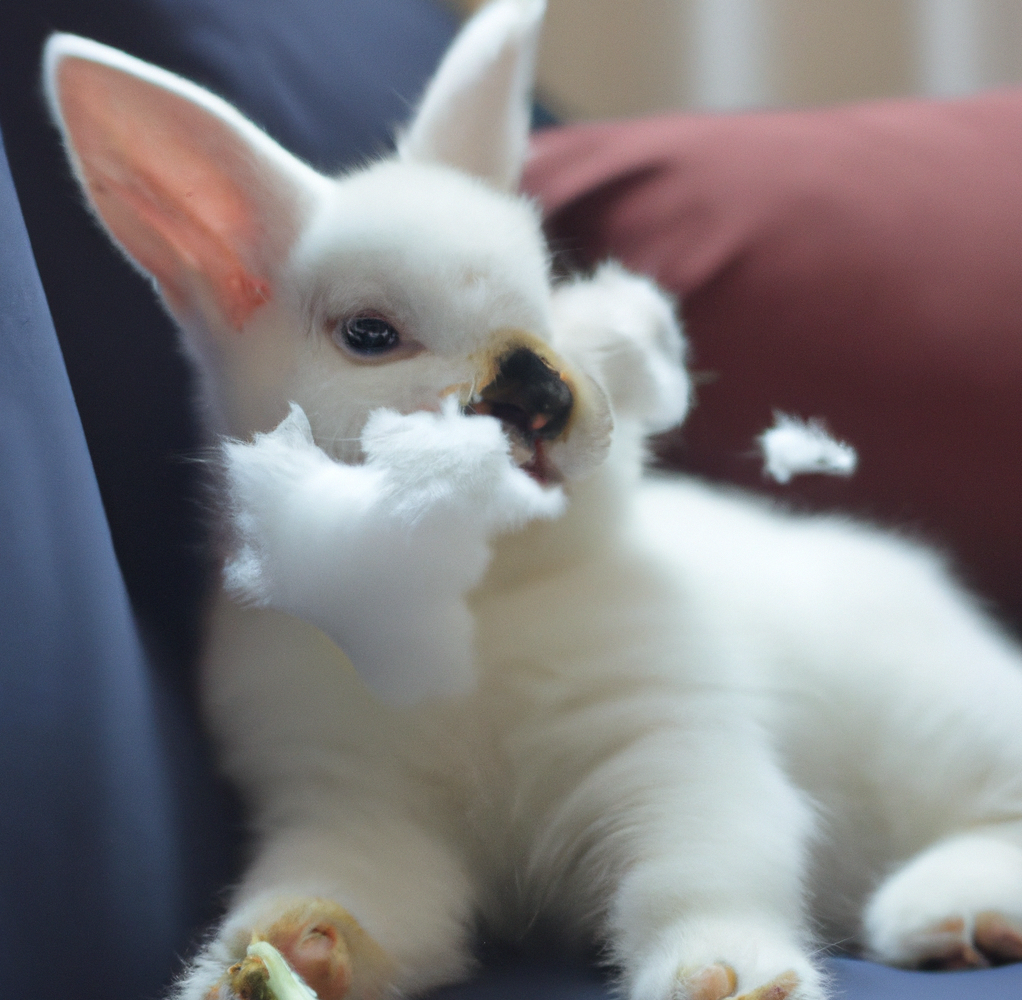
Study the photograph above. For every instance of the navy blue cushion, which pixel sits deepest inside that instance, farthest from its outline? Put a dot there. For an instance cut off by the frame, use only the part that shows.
(95, 875)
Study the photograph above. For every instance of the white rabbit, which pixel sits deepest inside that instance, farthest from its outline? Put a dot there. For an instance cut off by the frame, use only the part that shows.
(705, 734)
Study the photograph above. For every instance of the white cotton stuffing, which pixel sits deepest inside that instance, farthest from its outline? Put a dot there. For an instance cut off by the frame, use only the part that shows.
(354, 549)
(793, 447)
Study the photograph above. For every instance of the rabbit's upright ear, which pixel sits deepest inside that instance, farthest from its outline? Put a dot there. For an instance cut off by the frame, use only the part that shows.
(196, 195)
(475, 113)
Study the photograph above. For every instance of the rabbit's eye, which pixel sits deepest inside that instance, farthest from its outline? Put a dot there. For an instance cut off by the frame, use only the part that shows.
(367, 335)
(370, 339)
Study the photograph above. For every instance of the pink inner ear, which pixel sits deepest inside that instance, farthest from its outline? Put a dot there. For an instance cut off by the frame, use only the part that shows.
(180, 189)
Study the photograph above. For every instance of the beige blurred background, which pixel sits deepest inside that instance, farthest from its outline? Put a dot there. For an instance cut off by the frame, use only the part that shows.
(621, 57)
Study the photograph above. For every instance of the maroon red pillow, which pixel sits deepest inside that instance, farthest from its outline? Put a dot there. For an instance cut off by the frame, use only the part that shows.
(861, 264)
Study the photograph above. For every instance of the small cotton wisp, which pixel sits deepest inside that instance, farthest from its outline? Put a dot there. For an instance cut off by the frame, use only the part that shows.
(793, 447)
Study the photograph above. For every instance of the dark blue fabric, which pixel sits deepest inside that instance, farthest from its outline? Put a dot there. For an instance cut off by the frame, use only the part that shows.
(850, 979)
(329, 79)
(854, 980)
(89, 861)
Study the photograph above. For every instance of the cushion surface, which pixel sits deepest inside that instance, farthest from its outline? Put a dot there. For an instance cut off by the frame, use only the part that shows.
(850, 979)
(92, 880)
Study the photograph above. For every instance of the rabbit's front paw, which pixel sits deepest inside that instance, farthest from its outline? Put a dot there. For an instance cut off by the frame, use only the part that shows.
(316, 949)
(714, 958)
(718, 981)
(957, 905)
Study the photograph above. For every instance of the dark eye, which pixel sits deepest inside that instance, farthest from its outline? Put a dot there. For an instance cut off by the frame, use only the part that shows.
(368, 335)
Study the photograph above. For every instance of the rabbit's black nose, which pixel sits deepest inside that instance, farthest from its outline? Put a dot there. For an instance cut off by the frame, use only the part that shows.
(528, 394)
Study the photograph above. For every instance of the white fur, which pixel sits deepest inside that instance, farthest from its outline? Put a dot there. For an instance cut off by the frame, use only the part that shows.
(692, 728)
(475, 112)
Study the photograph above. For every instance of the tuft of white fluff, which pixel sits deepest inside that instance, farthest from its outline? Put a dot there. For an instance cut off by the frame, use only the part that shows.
(357, 550)
(793, 447)
(629, 329)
